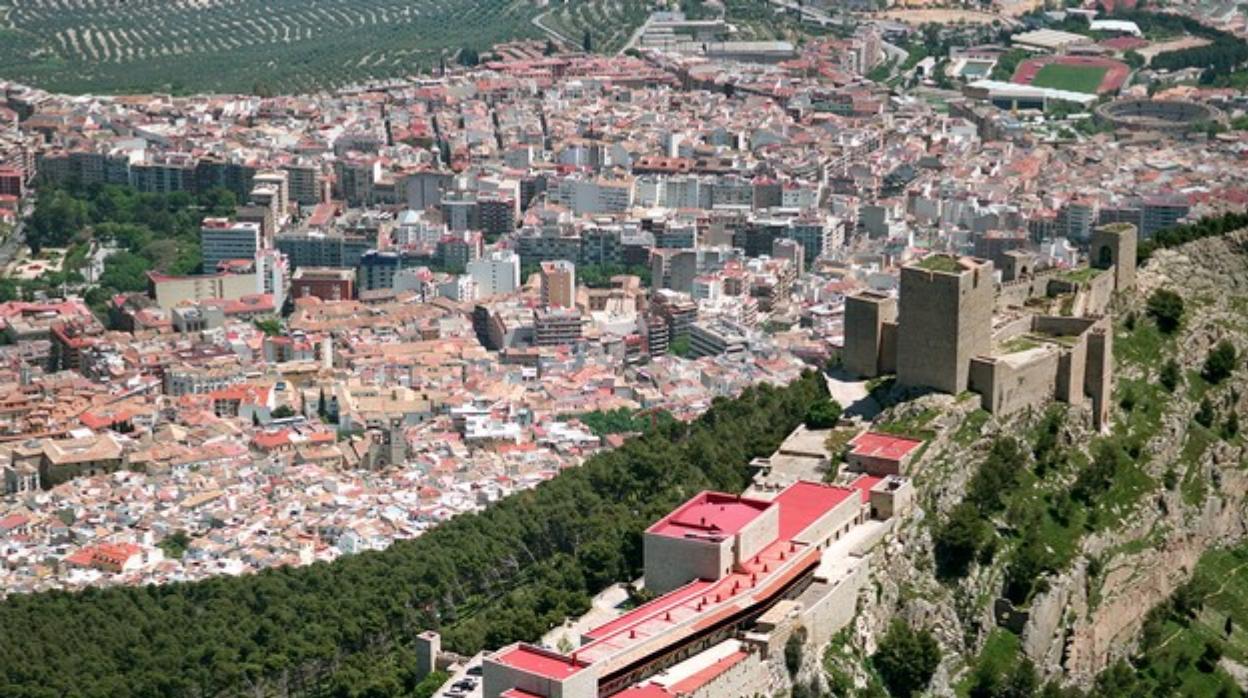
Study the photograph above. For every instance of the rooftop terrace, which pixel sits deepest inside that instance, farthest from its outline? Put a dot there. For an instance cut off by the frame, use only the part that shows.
(709, 514)
(940, 262)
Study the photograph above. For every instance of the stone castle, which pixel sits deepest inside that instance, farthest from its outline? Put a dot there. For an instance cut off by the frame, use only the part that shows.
(1037, 335)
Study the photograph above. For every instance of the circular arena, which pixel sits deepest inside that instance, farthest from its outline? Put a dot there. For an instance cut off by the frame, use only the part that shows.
(1088, 74)
(1157, 114)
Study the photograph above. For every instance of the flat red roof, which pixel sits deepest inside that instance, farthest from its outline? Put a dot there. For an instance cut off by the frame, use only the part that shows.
(544, 663)
(700, 678)
(695, 609)
(712, 514)
(803, 502)
(656, 607)
(701, 603)
(877, 445)
(864, 485)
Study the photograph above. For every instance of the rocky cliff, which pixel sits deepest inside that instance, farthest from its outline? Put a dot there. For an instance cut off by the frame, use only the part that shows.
(1181, 493)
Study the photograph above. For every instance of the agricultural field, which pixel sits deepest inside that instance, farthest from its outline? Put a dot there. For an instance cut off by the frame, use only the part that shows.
(610, 23)
(1070, 77)
(283, 46)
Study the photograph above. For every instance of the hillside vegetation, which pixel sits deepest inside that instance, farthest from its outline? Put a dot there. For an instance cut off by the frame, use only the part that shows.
(293, 46)
(1049, 559)
(344, 629)
(282, 46)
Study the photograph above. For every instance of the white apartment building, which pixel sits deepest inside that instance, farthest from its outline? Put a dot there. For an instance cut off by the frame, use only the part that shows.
(583, 196)
(497, 273)
(222, 239)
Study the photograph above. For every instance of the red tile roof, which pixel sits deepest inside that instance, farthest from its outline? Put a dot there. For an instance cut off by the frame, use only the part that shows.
(700, 678)
(876, 445)
(803, 502)
(541, 662)
(864, 485)
(709, 514)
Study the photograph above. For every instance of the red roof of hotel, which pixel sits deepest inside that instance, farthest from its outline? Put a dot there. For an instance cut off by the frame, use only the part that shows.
(700, 678)
(877, 445)
(864, 485)
(803, 502)
(543, 663)
(702, 603)
(760, 577)
(709, 514)
(657, 607)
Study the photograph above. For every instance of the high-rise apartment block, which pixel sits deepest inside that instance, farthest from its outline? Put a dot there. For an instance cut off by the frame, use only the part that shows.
(221, 239)
(496, 273)
(558, 284)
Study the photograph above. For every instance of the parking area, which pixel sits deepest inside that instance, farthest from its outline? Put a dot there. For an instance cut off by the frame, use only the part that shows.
(465, 682)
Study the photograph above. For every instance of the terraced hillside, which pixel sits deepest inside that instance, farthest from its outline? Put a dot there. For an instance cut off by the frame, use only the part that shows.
(237, 45)
(610, 23)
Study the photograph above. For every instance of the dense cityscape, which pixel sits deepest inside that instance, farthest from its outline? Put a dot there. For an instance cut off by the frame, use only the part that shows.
(254, 332)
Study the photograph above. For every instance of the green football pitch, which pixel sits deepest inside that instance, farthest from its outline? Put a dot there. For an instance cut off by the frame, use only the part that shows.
(1075, 78)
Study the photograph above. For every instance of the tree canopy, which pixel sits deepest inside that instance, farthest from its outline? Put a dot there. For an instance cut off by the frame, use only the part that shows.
(906, 659)
(1212, 226)
(1166, 309)
(1220, 362)
(823, 414)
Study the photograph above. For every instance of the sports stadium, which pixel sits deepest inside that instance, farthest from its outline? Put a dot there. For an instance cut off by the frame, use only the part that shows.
(1172, 115)
(1088, 74)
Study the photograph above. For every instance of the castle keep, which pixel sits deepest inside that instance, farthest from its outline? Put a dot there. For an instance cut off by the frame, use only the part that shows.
(953, 327)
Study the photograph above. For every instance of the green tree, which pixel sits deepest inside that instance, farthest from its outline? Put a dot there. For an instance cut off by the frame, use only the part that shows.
(990, 680)
(218, 202)
(1205, 414)
(1166, 309)
(1096, 478)
(823, 414)
(282, 412)
(793, 650)
(587, 42)
(125, 272)
(1188, 599)
(1031, 561)
(57, 218)
(959, 541)
(997, 475)
(270, 326)
(906, 659)
(1169, 377)
(430, 684)
(1209, 658)
(175, 545)
(1220, 362)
